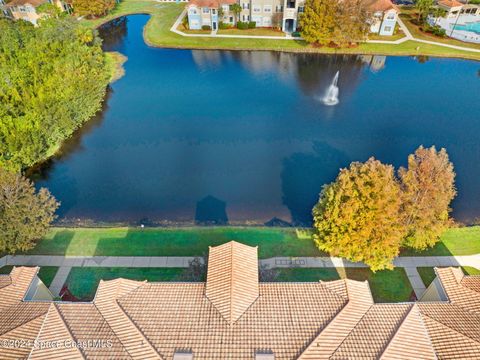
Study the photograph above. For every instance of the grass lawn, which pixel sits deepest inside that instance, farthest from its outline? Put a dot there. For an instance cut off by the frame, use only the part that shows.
(46, 273)
(409, 16)
(171, 241)
(428, 273)
(386, 286)
(455, 241)
(157, 33)
(83, 282)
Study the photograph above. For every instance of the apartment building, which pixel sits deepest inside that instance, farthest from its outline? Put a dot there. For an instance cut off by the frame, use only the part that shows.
(282, 14)
(265, 13)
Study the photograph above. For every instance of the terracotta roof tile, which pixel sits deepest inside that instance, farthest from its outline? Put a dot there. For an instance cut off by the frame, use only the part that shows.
(20, 280)
(324, 320)
(453, 282)
(232, 284)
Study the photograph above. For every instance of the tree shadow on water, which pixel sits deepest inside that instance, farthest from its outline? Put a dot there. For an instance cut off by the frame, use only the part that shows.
(211, 211)
(303, 176)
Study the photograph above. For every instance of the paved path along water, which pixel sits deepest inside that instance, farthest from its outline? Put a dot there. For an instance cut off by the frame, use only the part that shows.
(65, 263)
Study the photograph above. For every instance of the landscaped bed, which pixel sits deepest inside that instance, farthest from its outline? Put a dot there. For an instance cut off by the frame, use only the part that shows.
(46, 273)
(428, 273)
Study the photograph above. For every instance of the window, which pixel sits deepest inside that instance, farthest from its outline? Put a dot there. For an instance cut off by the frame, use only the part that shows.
(301, 9)
(192, 11)
(279, 8)
(206, 10)
(391, 16)
(257, 8)
(225, 8)
(267, 8)
(387, 28)
(246, 6)
(231, 19)
(214, 11)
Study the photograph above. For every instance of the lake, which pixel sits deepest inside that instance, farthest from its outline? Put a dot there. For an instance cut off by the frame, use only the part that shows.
(244, 137)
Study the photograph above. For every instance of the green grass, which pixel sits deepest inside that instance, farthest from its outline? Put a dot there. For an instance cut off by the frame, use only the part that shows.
(170, 241)
(428, 273)
(157, 33)
(455, 241)
(83, 282)
(386, 286)
(46, 273)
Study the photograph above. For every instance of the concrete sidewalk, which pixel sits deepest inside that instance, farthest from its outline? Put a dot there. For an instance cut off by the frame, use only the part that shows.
(183, 261)
(65, 263)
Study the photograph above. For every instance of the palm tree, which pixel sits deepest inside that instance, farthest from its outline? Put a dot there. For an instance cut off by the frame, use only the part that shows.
(236, 9)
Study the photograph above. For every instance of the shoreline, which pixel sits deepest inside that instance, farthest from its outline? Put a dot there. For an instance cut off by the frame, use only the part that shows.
(413, 48)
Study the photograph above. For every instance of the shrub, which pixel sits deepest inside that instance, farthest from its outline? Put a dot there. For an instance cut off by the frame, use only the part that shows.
(206, 27)
(252, 25)
(296, 34)
(223, 26)
(435, 30)
(242, 25)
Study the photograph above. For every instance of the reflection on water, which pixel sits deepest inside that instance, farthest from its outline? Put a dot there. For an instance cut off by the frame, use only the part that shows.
(234, 137)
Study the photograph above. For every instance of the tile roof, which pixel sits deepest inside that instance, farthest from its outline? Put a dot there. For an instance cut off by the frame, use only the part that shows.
(214, 4)
(232, 284)
(16, 285)
(460, 289)
(233, 316)
(34, 3)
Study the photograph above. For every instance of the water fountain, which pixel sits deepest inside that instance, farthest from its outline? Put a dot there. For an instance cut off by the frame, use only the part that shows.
(331, 97)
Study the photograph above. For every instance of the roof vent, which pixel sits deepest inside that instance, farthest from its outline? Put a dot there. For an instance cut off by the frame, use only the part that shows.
(232, 279)
(264, 355)
(183, 355)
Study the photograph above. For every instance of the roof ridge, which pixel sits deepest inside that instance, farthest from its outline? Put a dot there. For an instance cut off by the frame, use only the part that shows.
(323, 283)
(68, 328)
(353, 328)
(40, 330)
(400, 324)
(116, 302)
(114, 333)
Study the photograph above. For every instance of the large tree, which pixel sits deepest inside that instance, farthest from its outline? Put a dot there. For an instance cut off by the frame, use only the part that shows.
(428, 187)
(93, 8)
(318, 21)
(357, 215)
(25, 214)
(424, 7)
(52, 79)
(334, 22)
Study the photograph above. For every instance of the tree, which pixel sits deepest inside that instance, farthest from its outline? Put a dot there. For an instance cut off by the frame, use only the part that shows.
(318, 21)
(335, 22)
(25, 215)
(50, 10)
(236, 9)
(423, 7)
(438, 12)
(428, 187)
(277, 19)
(93, 8)
(352, 23)
(357, 215)
(54, 78)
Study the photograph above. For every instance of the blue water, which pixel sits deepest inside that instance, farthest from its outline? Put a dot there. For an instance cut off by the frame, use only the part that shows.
(244, 136)
(473, 27)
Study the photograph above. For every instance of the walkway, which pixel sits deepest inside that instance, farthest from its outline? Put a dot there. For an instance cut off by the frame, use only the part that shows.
(65, 263)
(408, 36)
